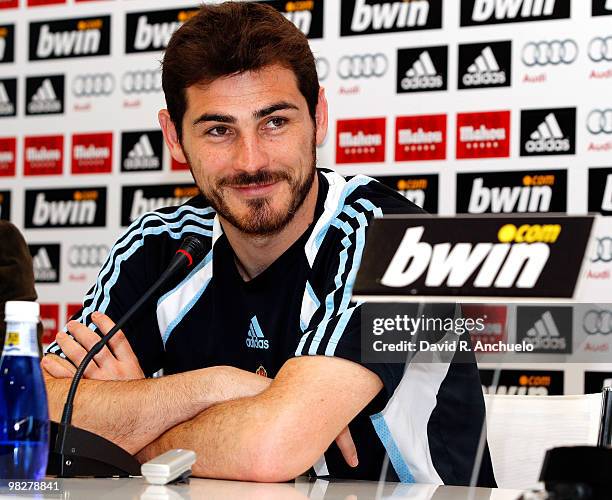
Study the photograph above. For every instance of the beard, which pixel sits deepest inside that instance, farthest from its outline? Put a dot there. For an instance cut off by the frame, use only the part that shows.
(261, 218)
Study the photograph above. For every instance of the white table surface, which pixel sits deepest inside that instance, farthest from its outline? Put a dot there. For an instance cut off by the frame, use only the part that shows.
(302, 488)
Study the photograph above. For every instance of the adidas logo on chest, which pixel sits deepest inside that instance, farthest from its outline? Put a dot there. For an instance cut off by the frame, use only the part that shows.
(255, 338)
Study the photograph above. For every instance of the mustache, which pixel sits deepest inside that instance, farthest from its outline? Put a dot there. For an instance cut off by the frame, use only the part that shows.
(259, 177)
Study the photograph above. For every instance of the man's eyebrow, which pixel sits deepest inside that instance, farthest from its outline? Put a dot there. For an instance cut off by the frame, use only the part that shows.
(214, 117)
(268, 110)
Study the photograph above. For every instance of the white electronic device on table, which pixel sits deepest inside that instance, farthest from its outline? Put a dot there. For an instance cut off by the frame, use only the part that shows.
(169, 466)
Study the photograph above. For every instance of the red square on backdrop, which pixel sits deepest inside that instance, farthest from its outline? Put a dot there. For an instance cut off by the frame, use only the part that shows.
(43, 155)
(360, 140)
(71, 310)
(419, 138)
(36, 3)
(9, 4)
(92, 153)
(49, 317)
(485, 134)
(8, 155)
(494, 320)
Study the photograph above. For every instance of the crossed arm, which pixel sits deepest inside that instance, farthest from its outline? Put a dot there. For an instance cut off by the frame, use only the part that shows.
(241, 425)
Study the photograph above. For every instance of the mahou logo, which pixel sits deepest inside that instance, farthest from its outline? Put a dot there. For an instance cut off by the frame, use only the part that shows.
(483, 135)
(548, 132)
(420, 138)
(67, 38)
(480, 12)
(512, 192)
(306, 16)
(8, 153)
(51, 208)
(151, 30)
(138, 200)
(367, 17)
(36, 3)
(422, 69)
(49, 317)
(43, 155)
(92, 153)
(360, 140)
(483, 65)
(422, 190)
(7, 43)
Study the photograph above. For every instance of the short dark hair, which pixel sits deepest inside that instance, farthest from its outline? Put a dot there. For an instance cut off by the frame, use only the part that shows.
(231, 38)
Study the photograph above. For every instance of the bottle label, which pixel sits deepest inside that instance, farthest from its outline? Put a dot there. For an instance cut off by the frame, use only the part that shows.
(20, 340)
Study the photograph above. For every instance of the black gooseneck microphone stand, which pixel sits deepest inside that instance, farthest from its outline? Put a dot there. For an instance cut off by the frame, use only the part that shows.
(77, 452)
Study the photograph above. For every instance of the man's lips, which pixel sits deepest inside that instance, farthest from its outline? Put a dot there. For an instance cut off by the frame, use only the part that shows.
(255, 190)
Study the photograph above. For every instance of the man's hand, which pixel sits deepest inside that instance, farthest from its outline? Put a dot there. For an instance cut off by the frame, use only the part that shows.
(347, 447)
(116, 361)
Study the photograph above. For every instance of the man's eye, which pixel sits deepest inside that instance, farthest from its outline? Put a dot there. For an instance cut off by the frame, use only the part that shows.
(218, 131)
(276, 122)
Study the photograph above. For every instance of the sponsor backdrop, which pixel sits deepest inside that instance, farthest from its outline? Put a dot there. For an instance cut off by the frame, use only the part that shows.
(463, 106)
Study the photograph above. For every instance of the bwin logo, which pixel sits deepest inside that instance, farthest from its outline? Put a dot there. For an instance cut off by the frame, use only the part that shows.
(498, 264)
(422, 75)
(386, 16)
(79, 42)
(302, 19)
(485, 70)
(54, 213)
(255, 337)
(548, 137)
(508, 199)
(511, 9)
(142, 205)
(416, 196)
(154, 36)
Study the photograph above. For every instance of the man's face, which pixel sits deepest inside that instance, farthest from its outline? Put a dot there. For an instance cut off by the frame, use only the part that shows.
(250, 144)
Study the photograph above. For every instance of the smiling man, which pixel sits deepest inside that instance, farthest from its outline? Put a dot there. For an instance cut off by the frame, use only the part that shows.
(260, 343)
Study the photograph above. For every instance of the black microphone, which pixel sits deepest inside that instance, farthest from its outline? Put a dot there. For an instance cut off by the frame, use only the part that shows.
(100, 457)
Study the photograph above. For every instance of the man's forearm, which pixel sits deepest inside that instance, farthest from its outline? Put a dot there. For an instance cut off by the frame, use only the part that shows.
(133, 413)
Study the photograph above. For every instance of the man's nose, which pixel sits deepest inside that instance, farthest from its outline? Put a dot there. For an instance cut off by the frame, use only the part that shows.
(251, 155)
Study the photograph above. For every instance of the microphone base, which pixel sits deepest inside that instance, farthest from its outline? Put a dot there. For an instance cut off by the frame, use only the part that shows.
(75, 452)
(585, 470)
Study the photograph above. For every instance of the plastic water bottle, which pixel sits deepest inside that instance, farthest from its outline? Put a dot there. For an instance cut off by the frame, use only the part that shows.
(24, 417)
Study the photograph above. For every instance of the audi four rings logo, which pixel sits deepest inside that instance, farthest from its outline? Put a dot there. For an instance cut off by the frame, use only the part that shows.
(603, 252)
(135, 82)
(599, 121)
(362, 66)
(597, 321)
(322, 68)
(94, 85)
(551, 52)
(600, 49)
(87, 255)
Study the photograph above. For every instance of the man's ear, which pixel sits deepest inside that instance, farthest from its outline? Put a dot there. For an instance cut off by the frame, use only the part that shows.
(321, 117)
(170, 136)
